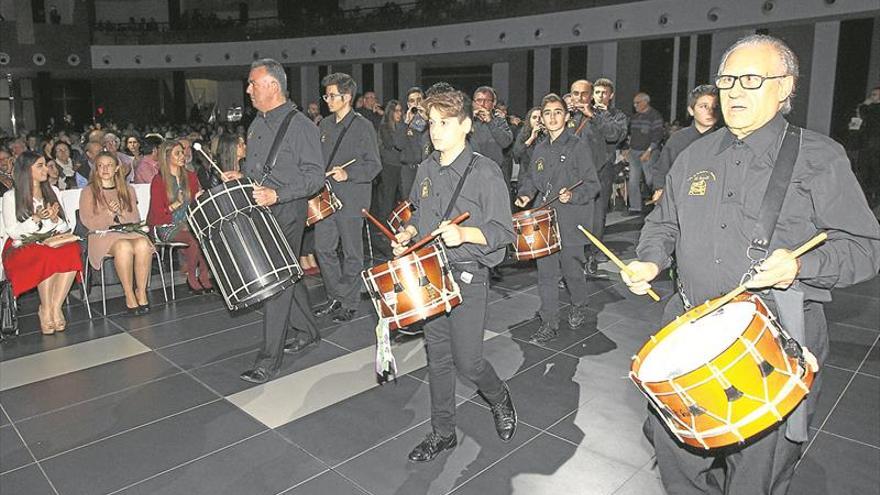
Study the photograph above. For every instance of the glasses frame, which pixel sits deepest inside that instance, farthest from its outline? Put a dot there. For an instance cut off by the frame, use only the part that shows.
(329, 97)
(743, 86)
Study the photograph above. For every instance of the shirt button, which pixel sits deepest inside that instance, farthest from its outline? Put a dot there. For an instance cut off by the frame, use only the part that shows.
(717, 261)
(739, 162)
(729, 194)
(723, 225)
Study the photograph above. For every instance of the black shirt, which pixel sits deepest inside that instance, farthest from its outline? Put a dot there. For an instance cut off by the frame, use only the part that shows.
(490, 139)
(710, 206)
(484, 195)
(359, 142)
(676, 143)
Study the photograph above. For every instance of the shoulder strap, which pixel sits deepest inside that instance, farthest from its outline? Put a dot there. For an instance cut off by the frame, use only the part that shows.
(341, 135)
(780, 178)
(276, 144)
(460, 185)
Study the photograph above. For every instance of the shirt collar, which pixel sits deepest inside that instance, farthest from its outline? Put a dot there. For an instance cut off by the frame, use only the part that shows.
(562, 140)
(277, 112)
(460, 163)
(759, 140)
(345, 120)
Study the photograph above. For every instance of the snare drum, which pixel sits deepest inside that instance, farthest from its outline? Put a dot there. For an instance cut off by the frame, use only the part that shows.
(324, 204)
(537, 234)
(413, 288)
(400, 215)
(723, 378)
(243, 244)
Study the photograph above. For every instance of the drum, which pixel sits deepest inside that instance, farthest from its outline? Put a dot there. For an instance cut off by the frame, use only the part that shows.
(323, 205)
(248, 253)
(723, 378)
(413, 288)
(537, 234)
(400, 215)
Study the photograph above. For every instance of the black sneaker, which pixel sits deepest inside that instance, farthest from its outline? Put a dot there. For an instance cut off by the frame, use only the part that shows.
(545, 333)
(576, 316)
(591, 267)
(431, 446)
(504, 415)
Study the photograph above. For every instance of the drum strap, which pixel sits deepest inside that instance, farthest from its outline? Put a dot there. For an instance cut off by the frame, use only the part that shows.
(467, 171)
(780, 178)
(276, 144)
(339, 139)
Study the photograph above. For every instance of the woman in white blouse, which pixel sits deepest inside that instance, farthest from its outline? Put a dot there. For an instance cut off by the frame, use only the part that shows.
(31, 212)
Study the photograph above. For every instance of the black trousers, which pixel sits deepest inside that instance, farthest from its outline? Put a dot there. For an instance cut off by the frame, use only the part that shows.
(342, 279)
(388, 191)
(454, 341)
(762, 467)
(288, 309)
(569, 264)
(600, 210)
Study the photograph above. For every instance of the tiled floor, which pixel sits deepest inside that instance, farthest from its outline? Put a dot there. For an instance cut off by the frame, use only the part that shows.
(153, 404)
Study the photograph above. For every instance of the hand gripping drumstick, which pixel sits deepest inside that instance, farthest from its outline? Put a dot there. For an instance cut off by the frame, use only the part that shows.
(554, 198)
(424, 240)
(707, 308)
(328, 174)
(614, 258)
(198, 147)
(379, 225)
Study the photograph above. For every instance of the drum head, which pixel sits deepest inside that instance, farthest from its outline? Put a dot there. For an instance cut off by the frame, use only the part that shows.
(693, 344)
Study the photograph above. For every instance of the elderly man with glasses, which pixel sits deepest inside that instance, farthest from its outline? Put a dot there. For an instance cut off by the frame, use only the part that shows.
(711, 219)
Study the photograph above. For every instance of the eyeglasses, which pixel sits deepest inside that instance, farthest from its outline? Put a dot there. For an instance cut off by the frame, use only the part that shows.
(747, 81)
(331, 96)
(484, 100)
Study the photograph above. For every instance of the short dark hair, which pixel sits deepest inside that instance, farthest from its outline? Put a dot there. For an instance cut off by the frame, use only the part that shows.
(439, 87)
(552, 98)
(415, 89)
(150, 143)
(605, 83)
(344, 83)
(486, 89)
(700, 91)
(450, 104)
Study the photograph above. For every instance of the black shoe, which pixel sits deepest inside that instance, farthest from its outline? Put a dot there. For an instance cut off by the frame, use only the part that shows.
(144, 308)
(133, 311)
(504, 415)
(576, 316)
(431, 446)
(344, 315)
(545, 333)
(256, 375)
(331, 307)
(495, 274)
(591, 267)
(299, 345)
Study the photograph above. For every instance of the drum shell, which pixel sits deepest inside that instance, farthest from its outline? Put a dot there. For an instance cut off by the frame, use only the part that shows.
(741, 371)
(415, 303)
(322, 206)
(400, 215)
(541, 228)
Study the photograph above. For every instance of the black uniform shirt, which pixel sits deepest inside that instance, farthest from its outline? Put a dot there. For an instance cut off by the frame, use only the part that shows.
(359, 142)
(710, 205)
(416, 146)
(677, 142)
(491, 139)
(484, 195)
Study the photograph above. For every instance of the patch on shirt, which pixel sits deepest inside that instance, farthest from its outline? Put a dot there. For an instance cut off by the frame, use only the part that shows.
(571, 124)
(539, 165)
(700, 182)
(323, 138)
(409, 132)
(427, 149)
(425, 188)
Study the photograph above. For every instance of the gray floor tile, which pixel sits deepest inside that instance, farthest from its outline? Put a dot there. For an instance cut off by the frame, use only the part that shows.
(833, 383)
(595, 285)
(567, 337)
(848, 345)
(75, 333)
(872, 364)
(262, 465)
(548, 465)
(386, 469)
(162, 313)
(13, 453)
(856, 414)
(619, 300)
(504, 314)
(854, 310)
(140, 453)
(337, 433)
(78, 425)
(223, 376)
(516, 278)
(837, 466)
(28, 480)
(206, 350)
(30, 323)
(644, 482)
(624, 337)
(165, 334)
(327, 483)
(4, 420)
(354, 335)
(548, 392)
(28, 400)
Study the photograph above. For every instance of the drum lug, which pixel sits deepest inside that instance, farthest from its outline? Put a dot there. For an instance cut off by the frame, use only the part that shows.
(766, 368)
(398, 288)
(696, 410)
(733, 394)
(423, 281)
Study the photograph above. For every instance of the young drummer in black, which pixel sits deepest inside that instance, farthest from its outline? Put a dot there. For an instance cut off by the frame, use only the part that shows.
(455, 340)
(558, 163)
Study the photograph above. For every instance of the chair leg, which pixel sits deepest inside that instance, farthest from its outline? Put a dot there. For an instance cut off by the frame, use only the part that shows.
(103, 293)
(162, 276)
(86, 299)
(171, 273)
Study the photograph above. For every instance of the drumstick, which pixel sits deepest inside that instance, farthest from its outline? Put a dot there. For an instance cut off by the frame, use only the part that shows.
(614, 258)
(198, 147)
(328, 174)
(378, 224)
(726, 298)
(576, 184)
(457, 220)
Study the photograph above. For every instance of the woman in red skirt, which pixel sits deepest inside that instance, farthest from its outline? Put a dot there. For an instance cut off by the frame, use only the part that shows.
(30, 210)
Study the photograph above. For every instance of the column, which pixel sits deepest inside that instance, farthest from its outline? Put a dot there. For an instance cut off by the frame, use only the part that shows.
(357, 73)
(564, 81)
(692, 63)
(406, 75)
(721, 41)
(178, 94)
(378, 79)
(602, 61)
(541, 75)
(676, 59)
(310, 86)
(501, 80)
(874, 57)
(819, 103)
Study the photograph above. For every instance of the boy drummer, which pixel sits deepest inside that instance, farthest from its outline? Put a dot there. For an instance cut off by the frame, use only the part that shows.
(455, 340)
(557, 163)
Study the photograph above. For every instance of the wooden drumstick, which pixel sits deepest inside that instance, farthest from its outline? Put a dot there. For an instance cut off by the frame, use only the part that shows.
(382, 228)
(614, 258)
(328, 174)
(554, 198)
(198, 147)
(726, 298)
(457, 220)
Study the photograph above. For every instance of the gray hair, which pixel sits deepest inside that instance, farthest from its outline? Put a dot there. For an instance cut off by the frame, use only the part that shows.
(274, 69)
(642, 96)
(111, 137)
(486, 89)
(787, 59)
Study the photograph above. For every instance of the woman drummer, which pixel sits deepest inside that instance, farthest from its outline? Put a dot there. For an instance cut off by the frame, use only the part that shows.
(558, 162)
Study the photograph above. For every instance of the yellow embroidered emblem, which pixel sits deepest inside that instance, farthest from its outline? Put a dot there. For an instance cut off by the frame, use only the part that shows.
(571, 124)
(698, 188)
(539, 165)
(426, 188)
(700, 182)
